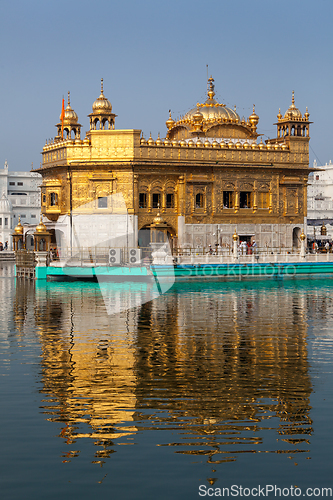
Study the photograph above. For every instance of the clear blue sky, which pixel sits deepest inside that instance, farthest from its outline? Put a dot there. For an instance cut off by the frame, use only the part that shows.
(152, 56)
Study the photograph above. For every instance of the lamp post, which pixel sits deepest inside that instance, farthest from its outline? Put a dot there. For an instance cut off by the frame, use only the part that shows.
(302, 237)
(235, 240)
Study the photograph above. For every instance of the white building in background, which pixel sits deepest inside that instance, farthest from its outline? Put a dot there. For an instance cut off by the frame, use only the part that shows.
(320, 200)
(320, 192)
(19, 197)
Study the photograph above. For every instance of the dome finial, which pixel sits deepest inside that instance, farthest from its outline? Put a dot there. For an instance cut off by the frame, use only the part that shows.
(102, 86)
(170, 122)
(293, 112)
(211, 87)
(69, 98)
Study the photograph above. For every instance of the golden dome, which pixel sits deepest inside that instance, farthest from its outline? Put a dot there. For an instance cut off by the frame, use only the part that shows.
(151, 141)
(70, 117)
(19, 228)
(158, 220)
(211, 110)
(170, 122)
(293, 112)
(158, 141)
(102, 104)
(41, 228)
(254, 118)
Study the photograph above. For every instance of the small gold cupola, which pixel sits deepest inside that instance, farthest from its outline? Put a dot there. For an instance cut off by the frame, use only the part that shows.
(68, 128)
(293, 123)
(102, 117)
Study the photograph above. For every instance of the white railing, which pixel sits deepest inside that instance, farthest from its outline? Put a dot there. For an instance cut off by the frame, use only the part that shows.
(99, 256)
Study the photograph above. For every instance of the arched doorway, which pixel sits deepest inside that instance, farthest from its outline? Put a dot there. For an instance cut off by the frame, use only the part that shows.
(157, 232)
(296, 237)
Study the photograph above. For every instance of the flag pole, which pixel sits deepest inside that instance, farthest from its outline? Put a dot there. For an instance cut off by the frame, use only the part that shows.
(62, 118)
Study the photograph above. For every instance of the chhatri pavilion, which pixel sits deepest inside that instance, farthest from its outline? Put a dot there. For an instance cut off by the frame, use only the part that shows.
(209, 176)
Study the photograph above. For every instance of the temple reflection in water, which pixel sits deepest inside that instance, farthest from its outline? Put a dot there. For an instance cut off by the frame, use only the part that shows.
(225, 366)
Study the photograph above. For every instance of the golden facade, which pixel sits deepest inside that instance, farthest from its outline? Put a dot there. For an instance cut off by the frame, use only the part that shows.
(209, 175)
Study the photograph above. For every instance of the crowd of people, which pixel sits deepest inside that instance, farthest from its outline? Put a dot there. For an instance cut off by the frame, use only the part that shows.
(320, 246)
(244, 248)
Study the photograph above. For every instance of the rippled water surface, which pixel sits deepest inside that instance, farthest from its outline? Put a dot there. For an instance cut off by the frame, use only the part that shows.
(214, 384)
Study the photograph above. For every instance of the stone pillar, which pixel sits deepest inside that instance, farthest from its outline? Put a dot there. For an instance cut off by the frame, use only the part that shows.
(41, 258)
(181, 231)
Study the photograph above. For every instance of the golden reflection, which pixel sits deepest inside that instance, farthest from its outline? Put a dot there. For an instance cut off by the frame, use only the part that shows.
(223, 368)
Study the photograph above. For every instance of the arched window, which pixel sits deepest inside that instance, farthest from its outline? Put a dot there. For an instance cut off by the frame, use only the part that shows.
(142, 200)
(170, 200)
(53, 199)
(199, 200)
(156, 200)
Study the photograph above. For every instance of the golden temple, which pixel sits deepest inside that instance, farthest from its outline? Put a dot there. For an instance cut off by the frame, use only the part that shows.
(206, 177)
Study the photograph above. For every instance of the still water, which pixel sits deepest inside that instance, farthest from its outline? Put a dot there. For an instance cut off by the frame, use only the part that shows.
(210, 384)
